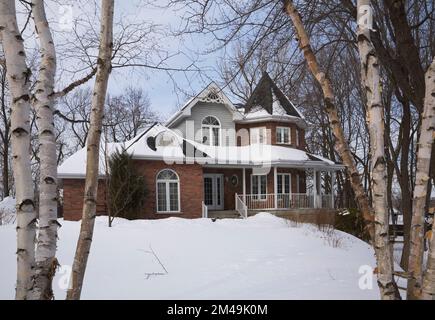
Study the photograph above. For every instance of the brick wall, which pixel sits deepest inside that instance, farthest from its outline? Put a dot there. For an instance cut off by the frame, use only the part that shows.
(191, 188)
(191, 191)
(73, 192)
(271, 127)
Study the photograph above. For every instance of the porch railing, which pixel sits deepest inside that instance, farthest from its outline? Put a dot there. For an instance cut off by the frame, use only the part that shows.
(204, 210)
(288, 201)
(241, 207)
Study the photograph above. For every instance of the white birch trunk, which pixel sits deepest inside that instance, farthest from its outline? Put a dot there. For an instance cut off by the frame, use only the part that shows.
(18, 78)
(93, 150)
(42, 101)
(341, 144)
(370, 77)
(427, 137)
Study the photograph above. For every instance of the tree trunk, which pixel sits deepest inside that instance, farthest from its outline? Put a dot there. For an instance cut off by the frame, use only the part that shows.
(405, 180)
(93, 150)
(334, 121)
(42, 101)
(18, 75)
(370, 77)
(423, 286)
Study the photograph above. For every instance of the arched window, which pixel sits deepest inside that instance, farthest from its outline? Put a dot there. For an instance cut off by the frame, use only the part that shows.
(211, 131)
(168, 191)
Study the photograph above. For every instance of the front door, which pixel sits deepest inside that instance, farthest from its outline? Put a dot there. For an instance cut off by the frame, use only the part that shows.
(214, 191)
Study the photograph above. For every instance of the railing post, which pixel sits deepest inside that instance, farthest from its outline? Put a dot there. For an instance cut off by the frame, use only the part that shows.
(332, 189)
(275, 187)
(315, 188)
(244, 185)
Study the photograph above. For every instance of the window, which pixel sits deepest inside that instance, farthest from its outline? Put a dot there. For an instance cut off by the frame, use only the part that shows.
(283, 135)
(284, 183)
(259, 187)
(168, 191)
(297, 137)
(258, 135)
(211, 131)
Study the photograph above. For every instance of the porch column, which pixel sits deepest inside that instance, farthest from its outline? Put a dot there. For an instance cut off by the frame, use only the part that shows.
(332, 189)
(275, 187)
(244, 185)
(315, 188)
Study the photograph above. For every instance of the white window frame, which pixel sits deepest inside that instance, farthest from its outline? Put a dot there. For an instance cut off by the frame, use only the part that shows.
(255, 132)
(281, 135)
(258, 196)
(210, 128)
(168, 196)
(283, 182)
(297, 137)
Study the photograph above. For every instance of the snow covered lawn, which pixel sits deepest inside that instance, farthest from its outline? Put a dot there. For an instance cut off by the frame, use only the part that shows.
(263, 257)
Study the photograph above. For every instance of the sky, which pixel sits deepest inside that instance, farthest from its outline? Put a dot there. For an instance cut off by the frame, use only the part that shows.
(161, 88)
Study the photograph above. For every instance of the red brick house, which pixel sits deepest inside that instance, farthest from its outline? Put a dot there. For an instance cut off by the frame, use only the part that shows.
(213, 156)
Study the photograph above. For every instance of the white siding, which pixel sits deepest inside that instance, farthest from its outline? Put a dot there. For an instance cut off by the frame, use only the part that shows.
(202, 110)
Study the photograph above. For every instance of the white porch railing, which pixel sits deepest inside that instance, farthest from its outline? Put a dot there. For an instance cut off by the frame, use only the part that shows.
(288, 201)
(204, 210)
(241, 207)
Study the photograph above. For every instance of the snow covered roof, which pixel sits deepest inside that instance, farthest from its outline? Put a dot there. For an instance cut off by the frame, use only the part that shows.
(144, 146)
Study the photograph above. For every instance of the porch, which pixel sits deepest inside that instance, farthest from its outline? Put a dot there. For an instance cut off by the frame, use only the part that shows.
(293, 189)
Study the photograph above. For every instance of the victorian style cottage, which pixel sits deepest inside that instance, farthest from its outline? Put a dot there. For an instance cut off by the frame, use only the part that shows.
(213, 157)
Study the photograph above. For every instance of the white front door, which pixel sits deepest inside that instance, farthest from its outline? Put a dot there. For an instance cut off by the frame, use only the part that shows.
(214, 191)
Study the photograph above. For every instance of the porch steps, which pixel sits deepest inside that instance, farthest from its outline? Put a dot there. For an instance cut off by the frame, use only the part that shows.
(224, 214)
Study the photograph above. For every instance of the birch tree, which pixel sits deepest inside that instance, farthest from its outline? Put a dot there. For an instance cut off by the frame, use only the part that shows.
(420, 286)
(42, 102)
(334, 121)
(93, 150)
(370, 78)
(18, 75)
(386, 285)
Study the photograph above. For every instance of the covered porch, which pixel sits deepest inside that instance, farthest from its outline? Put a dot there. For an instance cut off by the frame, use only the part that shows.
(246, 190)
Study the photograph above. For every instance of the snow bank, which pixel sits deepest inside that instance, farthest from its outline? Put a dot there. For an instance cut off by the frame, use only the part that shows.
(8, 212)
(262, 257)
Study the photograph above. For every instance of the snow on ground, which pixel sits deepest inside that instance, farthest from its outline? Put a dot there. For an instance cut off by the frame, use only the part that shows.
(262, 257)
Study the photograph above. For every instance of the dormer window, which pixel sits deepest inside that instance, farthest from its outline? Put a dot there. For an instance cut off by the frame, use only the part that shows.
(211, 131)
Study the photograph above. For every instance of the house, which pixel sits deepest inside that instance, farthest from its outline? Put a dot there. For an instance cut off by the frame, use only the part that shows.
(213, 156)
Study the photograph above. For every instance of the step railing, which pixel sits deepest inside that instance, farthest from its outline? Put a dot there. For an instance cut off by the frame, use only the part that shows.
(241, 207)
(204, 210)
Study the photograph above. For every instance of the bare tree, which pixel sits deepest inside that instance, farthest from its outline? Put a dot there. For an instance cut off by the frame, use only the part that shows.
(18, 75)
(370, 76)
(42, 100)
(93, 151)
(127, 114)
(420, 286)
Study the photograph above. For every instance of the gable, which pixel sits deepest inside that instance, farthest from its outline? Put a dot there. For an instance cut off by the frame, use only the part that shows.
(212, 95)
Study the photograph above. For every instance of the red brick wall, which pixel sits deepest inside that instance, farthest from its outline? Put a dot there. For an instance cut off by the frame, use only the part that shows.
(73, 192)
(271, 128)
(191, 188)
(191, 191)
